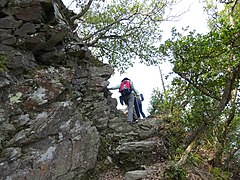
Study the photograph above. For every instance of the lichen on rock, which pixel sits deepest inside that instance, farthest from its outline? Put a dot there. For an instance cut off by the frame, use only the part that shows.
(57, 119)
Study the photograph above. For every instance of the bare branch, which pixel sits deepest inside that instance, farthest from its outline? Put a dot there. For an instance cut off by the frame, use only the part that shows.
(232, 12)
(84, 10)
(70, 3)
(226, 2)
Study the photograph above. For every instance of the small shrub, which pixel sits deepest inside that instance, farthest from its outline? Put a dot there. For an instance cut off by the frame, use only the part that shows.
(219, 174)
(175, 173)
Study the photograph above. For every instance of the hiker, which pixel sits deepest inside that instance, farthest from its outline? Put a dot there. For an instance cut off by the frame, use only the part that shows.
(139, 100)
(127, 90)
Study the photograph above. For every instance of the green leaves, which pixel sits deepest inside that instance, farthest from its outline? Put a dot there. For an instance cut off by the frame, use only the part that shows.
(119, 31)
(205, 93)
(202, 59)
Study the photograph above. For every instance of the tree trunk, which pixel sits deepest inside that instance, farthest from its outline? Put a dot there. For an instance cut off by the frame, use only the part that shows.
(222, 140)
(161, 75)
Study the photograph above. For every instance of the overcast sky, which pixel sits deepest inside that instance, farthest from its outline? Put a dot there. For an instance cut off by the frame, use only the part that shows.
(147, 78)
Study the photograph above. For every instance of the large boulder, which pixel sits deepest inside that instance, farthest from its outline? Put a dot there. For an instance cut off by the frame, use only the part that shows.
(57, 118)
(51, 96)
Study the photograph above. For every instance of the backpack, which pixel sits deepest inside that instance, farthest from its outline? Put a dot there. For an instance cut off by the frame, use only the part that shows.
(125, 87)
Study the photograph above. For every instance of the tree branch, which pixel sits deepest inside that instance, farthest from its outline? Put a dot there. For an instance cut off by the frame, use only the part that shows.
(223, 138)
(200, 88)
(84, 10)
(226, 96)
(106, 28)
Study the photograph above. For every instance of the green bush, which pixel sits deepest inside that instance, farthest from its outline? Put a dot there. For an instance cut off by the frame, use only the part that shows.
(219, 174)
(175, 173)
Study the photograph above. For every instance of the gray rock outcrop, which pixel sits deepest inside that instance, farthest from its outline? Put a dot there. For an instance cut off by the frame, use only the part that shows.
(57, 120)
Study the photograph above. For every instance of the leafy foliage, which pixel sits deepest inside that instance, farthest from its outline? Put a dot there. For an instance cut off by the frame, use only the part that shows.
(174, 172)
(122, 30)
(205, 95)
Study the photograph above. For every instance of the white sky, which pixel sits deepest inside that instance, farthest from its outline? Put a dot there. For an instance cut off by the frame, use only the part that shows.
(147, 78)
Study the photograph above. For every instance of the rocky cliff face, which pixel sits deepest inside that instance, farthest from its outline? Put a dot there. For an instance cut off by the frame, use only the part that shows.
(56, 121)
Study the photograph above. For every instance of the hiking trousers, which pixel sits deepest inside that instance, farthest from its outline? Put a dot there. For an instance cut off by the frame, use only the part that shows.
(129, 101)
(140, 109)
